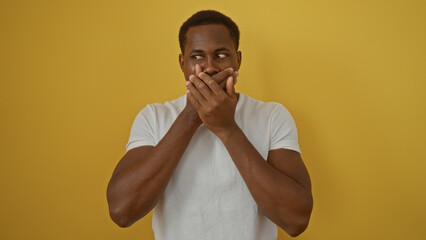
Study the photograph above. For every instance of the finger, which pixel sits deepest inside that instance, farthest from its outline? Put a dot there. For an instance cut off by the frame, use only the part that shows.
(194, 92)
(222, 84)
(192, 100)
(201, 86)
(230, 90)
(222, 75)
(211, 83)
(235, 75)
(198, 69)
(216, 89)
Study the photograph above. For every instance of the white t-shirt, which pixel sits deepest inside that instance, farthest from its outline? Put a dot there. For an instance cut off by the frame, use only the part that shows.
(206, 197)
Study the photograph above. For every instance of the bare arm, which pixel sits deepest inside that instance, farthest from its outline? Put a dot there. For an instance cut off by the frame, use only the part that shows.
(281, 185)
(143, 173)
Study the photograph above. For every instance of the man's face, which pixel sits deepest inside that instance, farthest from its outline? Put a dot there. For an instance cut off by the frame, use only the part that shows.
(211, 47)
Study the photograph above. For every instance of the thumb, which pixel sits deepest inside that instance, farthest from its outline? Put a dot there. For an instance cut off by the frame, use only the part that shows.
(198, 70)
(230, 89)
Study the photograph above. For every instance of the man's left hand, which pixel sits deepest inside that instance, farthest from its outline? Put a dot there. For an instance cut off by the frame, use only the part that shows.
(215, 106)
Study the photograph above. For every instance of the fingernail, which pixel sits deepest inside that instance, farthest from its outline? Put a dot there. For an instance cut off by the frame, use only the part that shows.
(237, 73)
(191, 77)
(187, 83)
(187, 91)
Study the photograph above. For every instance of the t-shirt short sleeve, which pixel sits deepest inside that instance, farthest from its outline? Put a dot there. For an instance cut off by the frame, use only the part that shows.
(283, 130)
(142, 132)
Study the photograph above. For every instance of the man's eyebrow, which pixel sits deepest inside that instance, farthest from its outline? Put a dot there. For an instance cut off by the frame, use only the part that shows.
(222, 49)
(197, 51)
(217, 50)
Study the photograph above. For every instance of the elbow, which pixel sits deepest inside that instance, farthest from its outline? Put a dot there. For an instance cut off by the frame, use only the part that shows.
(126, 218)
(121, 222)
(125, 212)
(119, 218)
(297, 228)
(118, 211)
(299, 223)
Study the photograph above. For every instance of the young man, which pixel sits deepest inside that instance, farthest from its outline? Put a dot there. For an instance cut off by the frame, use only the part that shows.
(214, 163)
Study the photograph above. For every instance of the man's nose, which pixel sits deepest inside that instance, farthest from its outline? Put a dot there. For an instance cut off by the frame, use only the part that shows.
(210, 67)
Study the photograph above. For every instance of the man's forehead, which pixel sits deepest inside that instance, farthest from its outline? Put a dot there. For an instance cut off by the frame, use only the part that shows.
(208, 36)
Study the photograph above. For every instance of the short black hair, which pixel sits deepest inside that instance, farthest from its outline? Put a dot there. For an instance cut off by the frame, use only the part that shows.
(206, 17)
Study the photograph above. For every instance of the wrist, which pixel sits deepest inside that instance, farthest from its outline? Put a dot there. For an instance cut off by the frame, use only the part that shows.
(190, 118)
(228, 133)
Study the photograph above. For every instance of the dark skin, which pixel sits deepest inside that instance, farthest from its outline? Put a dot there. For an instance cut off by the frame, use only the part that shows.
(280, 185)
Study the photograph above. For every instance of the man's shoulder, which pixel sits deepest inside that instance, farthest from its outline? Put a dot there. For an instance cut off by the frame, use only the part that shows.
(173, 105)
(252, 104)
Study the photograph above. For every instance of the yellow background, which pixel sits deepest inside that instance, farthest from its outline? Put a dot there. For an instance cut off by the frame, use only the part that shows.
(74, 74)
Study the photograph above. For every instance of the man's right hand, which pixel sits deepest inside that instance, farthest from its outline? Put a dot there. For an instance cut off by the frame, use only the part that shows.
(220, 78)
(143, 173)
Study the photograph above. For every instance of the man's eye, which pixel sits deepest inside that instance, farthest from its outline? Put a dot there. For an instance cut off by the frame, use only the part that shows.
(221, 55)
(197, 57)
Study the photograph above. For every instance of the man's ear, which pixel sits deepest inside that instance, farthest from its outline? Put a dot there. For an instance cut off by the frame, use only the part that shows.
(181, 61)
(239, 59)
